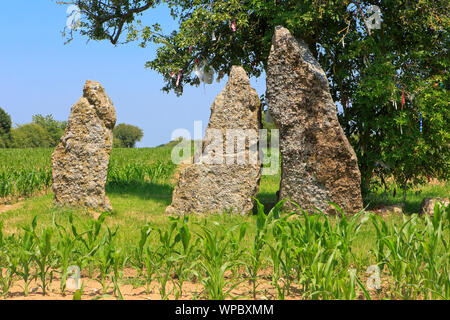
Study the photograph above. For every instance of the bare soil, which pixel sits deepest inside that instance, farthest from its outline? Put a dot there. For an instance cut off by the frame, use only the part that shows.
(9, 207)
(191, 290)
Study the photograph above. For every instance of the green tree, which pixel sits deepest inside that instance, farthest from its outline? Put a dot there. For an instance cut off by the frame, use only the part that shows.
(30, 135)
(368, 69)
(5, 128)
(5, 122)
(126, 136)
(54, 128)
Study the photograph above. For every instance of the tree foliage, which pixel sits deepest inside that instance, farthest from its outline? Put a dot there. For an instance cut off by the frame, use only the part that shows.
(42, 132)
(30, 135)
(54, 128)
(5, 122)
(126, 135)
(370, 71)
(5, 128)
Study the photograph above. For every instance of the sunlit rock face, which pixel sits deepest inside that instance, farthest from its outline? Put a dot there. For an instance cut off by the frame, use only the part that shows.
(80, 161)
(222, 180)
(318, 163)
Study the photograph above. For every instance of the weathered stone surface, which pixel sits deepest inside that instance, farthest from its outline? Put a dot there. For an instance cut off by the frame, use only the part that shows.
(427, 205)
(208, 186)
(318, 163)
(398, 208)
(80, 161)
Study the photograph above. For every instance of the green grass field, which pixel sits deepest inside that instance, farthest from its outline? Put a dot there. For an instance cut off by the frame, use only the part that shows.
(300, 257)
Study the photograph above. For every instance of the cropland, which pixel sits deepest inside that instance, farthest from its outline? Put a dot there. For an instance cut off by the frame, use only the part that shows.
(139, 252)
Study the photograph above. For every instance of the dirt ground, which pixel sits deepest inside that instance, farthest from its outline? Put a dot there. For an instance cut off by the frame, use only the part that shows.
(9, 207)
(191, 291)
(93, 290)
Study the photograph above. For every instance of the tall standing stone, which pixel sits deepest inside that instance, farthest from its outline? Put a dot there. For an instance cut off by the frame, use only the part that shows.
(318, 163)
(80, 161)
(226, 179)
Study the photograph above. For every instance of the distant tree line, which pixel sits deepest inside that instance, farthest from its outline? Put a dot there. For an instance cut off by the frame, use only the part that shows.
(45, 132)
(42, 132)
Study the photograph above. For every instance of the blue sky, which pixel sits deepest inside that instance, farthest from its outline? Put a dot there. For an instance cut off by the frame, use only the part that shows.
(41, 75)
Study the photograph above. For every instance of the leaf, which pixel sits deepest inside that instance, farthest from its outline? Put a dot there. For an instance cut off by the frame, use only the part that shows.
(77, 295)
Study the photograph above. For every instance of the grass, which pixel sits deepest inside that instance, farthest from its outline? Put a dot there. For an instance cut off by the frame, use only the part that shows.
(413, 199)
(139, 186)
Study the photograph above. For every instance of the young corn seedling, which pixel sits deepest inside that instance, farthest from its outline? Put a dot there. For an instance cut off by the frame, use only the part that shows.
(152, 263)
(238, 251)
(105, 257)
(344, 233)
(215, 263)
(43, 253)
(25, 251)
(7, 273)
(79, 293)
(345, 287)
(282, 259)
(167, 255)
(183, 260)
(402, 254)
(163, 272)
(263, 223)
(275, 257)
(2, 237)
(118, 263)
(278, 249)
(436, 254)
(138, 259)
(305, 234)
(65, 249)
(9, 262)
(91, 238)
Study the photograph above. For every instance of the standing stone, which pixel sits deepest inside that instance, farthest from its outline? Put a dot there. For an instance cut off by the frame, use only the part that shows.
(80, 161)
(427, 205)
(222, 180)
(318, 163)
(398, 208)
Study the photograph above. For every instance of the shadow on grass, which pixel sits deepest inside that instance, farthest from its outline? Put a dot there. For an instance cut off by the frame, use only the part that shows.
(371, 201)
(414, 197)
(162, 192)
(144, 190)
(268, 199)
(412, 204)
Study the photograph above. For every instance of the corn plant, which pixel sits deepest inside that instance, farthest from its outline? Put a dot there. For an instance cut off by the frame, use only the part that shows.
(152, 263)
(43, 253)
(6, 278)
(437, 254)
(401, 243)
(322, 252)
(344, 233)
(119, 261)
(65, 250)
(282, 260)
(90, 238)
(416, 255)
(168, 240)
(215, 262)
(8, 263)
(24, 248)
(263, 223)
(105, 257)
(23, 181)
(346, 288)
(238, 251)
(138, 252)
(183, 259)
